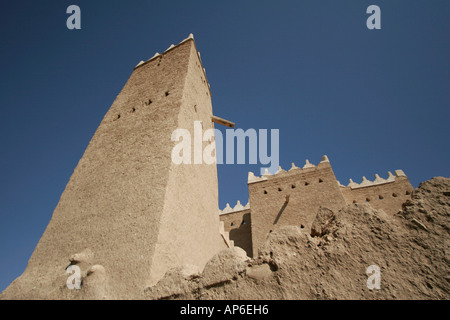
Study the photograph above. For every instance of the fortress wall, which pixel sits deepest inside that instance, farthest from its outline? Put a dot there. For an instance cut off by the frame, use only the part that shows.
(307, 188)
(388, 196)
(238, 225)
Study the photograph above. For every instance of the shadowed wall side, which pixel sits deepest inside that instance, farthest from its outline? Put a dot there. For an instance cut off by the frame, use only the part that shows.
(189, 232)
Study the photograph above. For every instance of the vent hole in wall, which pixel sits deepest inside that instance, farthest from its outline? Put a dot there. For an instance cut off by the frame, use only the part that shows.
(273, 266)
(293, 186)
(306, 183)
(367, 200)
(302, 226)
(279, 189)
(265, 191)
(380, 197)
(167, 93)
(320, 180)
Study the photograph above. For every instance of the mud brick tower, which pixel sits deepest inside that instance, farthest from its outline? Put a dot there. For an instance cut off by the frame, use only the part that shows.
(125, 216)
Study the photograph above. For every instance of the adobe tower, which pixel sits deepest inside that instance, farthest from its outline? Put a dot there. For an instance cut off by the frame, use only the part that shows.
(128, 213)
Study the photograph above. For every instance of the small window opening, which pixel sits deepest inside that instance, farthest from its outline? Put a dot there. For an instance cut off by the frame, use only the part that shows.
(232, 224)
(380, 197)
(133, 109)
(167, 93)
(394, 195)
(279, 189)
(306, 183)
(265, 191)
(118, 116)
(302, 226)
(293, 186)
(367, 200)
(320, 180)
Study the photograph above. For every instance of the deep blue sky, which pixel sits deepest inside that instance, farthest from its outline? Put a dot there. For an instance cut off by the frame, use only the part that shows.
(372, 100)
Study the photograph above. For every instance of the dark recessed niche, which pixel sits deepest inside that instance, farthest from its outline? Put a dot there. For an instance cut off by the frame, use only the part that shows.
(306, 183)
(302, 226)
(380, 197)
(395, 195)
(149, 102)
(279, 189)
(408, 193)
(167, 93)
(293, 186)
(265, 191)
(320, 180)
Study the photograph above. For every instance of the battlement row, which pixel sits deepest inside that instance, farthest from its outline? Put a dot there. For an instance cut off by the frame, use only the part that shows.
(172, 46)
(157, 54)
(308, 165)
(267, 175)
(378, 180)
(236, 208)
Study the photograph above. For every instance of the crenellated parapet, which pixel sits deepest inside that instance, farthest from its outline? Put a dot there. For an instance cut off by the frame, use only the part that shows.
(378, 180)
(172, 46)
(238, 207)
(283, 173)
(386, 194)
(159, 56)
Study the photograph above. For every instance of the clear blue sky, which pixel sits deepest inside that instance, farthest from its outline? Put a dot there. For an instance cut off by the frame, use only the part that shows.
(372, 100)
